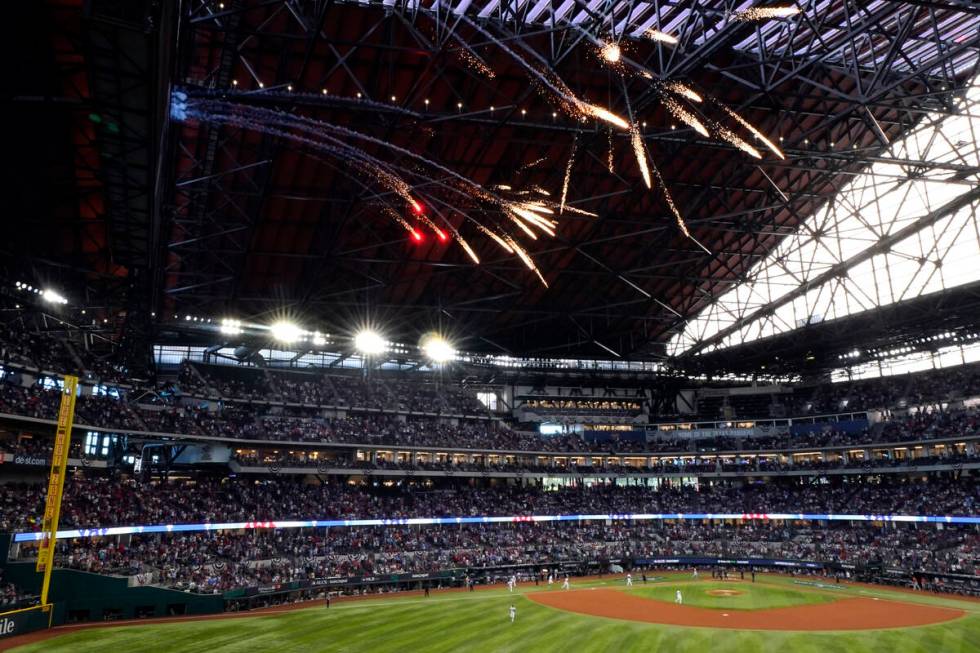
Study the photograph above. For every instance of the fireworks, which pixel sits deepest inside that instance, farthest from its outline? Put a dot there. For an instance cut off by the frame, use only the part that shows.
(735, 139)
(670, 203)
(765, 13)
(661, 37)
(466, 248)
(496, 238)
(683, 91)
(684, 115)
(640, 151)
(567, 99)
(568, 174)
(755, 132)
(611, 52)
(609, 158)
(605, 115)
(393, 214)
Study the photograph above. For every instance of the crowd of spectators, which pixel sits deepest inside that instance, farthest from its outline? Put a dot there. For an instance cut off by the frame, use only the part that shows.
(885, 393)
(222, 560)
(92, 501)
(244, 421)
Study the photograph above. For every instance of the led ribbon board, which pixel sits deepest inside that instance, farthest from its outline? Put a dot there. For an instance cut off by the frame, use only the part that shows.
(516, 519)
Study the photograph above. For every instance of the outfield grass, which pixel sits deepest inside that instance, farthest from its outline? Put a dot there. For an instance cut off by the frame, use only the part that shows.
(478, 621)
(753, 597)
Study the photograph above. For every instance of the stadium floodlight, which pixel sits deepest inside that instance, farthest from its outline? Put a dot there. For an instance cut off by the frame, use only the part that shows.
(53, 297)
(437, 349)
(319, 340)
(370, 342)
(231, 327)
(286, 332)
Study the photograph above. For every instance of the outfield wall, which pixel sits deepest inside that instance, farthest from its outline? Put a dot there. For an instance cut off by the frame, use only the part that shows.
(84, 596)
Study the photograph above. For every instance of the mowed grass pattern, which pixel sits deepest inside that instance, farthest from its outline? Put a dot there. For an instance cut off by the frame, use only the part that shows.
(478, 621)
(753, 596)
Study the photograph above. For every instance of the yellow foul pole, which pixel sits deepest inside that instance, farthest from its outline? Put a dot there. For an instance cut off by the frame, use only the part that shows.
(56, 483)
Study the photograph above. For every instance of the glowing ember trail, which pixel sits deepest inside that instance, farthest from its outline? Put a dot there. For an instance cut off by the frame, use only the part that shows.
(393, 214)
(765, 13)
(735, 139)
(662, 37)
(568, 175)
(755, 132)
(684, 91)
(684, 115)
(601, 114)
(609, 158)
(640, 151)
(496, 238)
(466, 247)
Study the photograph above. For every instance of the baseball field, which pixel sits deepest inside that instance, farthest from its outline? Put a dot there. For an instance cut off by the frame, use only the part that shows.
(774, 614)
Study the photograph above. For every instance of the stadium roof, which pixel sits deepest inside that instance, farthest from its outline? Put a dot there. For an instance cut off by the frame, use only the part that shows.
(242, 219)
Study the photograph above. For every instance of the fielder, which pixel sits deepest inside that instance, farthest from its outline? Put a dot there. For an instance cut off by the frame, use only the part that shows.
(678, 599)
(510, 584)
(565, 585)
(695, 574)
(513, 613)
(551, 579)
(629, 580)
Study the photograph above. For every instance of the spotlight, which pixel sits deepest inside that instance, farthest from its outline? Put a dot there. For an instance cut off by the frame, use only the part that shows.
(231, 327)
(53, 297)
(438, 349)
(370, 343)
(318, 339)
(286, 332)
(416, 236)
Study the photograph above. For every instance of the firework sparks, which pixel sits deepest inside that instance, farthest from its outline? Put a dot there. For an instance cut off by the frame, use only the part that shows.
(611, 52)
(523, 215)
(736, 140)
(526, 212)
(568, 174)
(661, 37)
(466, 248)
(684, 115)
(670, 201)
(599, 113)
(684, 91)
(567, 99)
(475, 62)
(640, 151)
(393, 214)
(572, 209)
(609, 158)
(755, 132)
(765, 13)
(427, 221)
(528, 166)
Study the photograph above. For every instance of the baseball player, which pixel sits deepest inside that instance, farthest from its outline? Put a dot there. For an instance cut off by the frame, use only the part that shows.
(513, 613)
(695, 574)
(565, 584)
(510, 584)
(678, 598)
(629, 580)
(551, 579)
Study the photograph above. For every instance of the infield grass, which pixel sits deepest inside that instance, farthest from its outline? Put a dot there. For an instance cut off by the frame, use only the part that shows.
(478, 621)
(751, 596)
